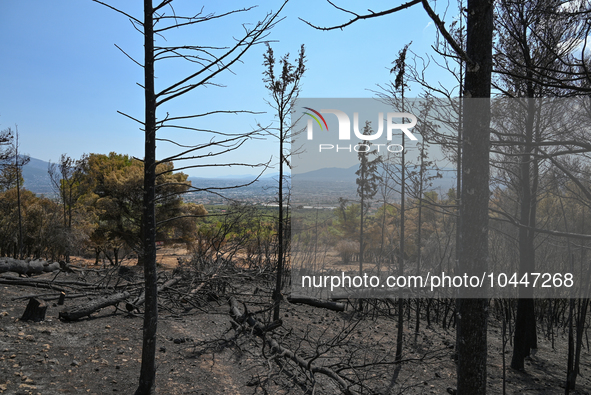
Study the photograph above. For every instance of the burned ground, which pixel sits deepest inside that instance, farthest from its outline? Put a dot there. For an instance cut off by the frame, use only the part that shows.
(203, 350)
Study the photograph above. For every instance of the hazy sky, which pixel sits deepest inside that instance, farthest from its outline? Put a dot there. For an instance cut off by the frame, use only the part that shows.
(62, 79)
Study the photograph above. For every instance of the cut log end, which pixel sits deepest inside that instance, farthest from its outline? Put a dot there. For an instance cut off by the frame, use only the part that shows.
(61, 299)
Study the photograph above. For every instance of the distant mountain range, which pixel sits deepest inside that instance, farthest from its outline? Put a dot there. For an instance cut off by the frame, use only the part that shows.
(36, 177)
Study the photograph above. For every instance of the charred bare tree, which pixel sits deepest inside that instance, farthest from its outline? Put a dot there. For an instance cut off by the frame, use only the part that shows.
(284, 87)
(15, 177)
(367, 186)
(209, 62)
(11, 164)
(63, 179)
(399, 84)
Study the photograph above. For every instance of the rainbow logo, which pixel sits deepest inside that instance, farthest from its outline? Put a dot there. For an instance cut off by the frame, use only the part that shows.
(316, 119)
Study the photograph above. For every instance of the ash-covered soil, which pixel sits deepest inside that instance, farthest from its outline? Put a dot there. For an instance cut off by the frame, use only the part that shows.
(202, 351)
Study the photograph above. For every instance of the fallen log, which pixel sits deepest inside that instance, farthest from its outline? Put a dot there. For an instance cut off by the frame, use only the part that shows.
(27, 267)
(286, 353)
(325, 304)
(94, 305)
(111, 300)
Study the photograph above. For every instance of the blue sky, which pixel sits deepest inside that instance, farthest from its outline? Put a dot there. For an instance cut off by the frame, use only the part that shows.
(62, 79)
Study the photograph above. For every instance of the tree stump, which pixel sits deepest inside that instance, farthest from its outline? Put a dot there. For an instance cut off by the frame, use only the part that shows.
(35, 311)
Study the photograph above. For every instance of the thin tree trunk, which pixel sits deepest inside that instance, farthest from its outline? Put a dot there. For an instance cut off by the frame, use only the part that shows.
(400, 333)
(570, 371)
(362, 176)
(581, 317)
(277, 294)
(148, 368)
(18, 201)
(525, 323)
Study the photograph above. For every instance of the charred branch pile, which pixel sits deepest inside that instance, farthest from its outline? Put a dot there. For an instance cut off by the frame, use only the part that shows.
(87, 291)
(308, 365)
(332, 352)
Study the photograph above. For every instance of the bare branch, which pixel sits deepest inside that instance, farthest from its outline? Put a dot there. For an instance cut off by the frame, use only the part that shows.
(130, 117)
(216, 112)
(193, 20)
(230, 144)
(201, 130)
(126, 54)
(161, 5)
(362, 17)
(252, 37)
(119, 11)
(228, 148)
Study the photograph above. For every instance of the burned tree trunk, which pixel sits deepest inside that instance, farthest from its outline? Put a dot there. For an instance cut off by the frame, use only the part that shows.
(92, 306)
(473, 308)
(148, 368)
